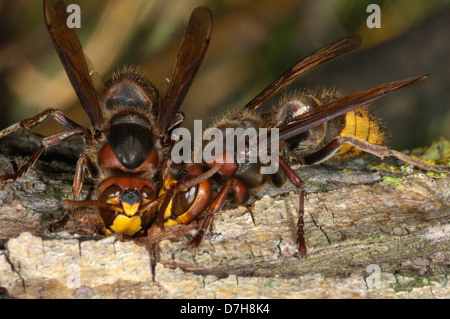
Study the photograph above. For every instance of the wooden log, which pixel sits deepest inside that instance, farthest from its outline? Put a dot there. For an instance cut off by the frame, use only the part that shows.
(366, 239)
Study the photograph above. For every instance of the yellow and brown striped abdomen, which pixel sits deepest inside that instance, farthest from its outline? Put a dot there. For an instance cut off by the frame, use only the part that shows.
(361, 125)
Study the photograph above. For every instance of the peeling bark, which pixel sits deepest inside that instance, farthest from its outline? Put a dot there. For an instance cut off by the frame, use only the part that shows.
(354, 223)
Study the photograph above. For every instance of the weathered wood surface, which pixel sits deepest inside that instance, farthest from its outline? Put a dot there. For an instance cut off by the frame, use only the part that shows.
(354, 223)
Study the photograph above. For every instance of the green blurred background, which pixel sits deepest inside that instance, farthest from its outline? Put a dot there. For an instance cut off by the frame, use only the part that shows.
(252, 43)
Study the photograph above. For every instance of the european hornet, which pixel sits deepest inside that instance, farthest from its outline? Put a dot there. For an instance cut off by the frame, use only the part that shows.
(313, 126)
(130, 139)
(130, 125)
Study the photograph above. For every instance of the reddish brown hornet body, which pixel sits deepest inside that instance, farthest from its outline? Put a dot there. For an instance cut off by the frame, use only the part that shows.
(130, 125)
(313, 126)
(129, 142)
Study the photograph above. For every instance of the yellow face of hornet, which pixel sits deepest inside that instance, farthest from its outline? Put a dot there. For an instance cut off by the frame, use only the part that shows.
(127, 211)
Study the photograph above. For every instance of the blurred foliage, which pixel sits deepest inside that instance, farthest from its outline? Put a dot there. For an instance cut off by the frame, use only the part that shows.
(252, 43)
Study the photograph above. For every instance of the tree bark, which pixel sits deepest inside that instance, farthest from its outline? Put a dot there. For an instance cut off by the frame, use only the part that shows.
(366, 239)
